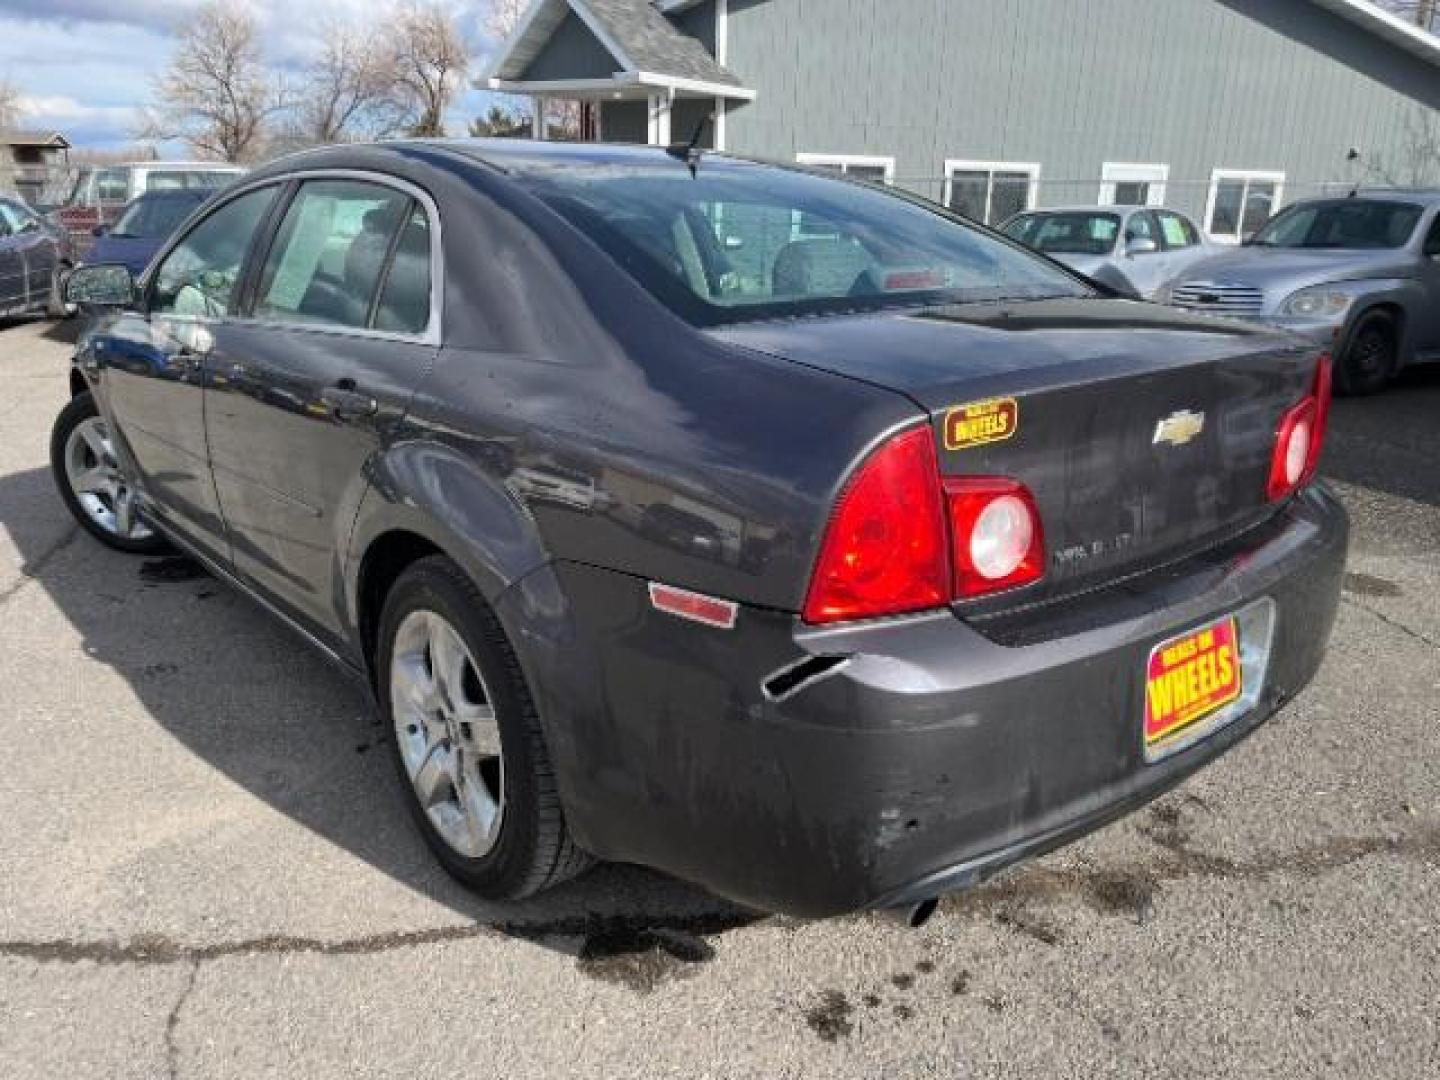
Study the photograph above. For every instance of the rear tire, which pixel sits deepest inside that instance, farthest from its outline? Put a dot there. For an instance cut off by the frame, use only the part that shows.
(91, 484)
(1370, 357)
(493, 819)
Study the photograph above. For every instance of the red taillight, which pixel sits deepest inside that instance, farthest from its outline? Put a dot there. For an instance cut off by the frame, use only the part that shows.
(900, 540)
(997, 542)
(884, 550)
(1300, 437)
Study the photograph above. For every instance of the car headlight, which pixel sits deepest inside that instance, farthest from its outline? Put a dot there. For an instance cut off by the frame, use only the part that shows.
(1322, 302)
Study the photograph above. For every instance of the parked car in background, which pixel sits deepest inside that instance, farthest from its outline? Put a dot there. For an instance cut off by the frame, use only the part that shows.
(1133, 249)
(101, 194)
(826, 588)
(35, 256)
(1360, 274)
(144, 226)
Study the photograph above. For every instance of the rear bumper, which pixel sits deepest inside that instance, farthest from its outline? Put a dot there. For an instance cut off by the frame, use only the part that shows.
(935, 753)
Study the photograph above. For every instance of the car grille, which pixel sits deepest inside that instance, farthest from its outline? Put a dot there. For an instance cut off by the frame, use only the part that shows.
(1218, 299)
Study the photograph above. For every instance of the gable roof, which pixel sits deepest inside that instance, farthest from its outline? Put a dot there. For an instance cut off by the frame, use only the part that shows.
(641, 41)
(34, 138)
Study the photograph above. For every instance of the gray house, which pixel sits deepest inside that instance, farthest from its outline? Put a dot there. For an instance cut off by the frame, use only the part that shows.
(1223, 108)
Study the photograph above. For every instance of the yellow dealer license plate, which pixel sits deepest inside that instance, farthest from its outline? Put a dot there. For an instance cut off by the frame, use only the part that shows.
(1189, 679)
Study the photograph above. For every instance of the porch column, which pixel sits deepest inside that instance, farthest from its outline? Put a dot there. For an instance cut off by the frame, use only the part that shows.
(658, 132)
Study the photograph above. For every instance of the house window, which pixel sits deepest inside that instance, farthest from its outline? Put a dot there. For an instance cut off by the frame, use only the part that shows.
(879, 170)
(1240, 202)
(1123, 184)
(990, 192)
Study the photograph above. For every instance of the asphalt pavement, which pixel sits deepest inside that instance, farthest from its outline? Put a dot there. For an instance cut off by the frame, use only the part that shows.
(208, 871)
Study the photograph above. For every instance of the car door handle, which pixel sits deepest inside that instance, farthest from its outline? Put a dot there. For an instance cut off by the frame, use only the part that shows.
(347, 403)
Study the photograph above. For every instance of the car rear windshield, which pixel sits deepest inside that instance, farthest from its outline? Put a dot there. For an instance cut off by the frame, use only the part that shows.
(1342, 223)
(153, 218)
(737, 241)
(1068, 233)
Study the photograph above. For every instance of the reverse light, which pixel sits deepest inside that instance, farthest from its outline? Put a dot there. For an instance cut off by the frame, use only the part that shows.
(1300, 437)
(902, 540)
(997, 541)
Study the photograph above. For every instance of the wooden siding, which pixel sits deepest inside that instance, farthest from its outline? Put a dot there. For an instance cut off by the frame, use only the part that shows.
(1197, 85)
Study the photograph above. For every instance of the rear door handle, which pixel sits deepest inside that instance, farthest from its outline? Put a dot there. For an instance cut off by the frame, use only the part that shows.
(347, 403)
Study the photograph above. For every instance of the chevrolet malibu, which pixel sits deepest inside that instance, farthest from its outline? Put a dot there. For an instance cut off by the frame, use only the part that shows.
(784, 533)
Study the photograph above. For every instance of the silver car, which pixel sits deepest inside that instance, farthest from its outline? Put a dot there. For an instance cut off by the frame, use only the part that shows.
(1360, 273)
(1133, 249)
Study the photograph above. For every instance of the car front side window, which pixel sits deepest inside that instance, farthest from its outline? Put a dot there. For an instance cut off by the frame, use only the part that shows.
(330, 253)
(200, 276)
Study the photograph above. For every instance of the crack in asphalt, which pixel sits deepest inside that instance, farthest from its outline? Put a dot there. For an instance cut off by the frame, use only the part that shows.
(172, 1049)
(30, 571)
(1409, 631)
(156, 949)
(1111, 890)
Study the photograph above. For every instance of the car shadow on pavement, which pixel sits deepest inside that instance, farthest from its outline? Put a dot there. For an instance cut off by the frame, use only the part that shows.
(237, 690)
(1390, 442)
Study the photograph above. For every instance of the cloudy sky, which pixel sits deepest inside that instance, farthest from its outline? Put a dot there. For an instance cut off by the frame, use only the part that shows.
(83, 66)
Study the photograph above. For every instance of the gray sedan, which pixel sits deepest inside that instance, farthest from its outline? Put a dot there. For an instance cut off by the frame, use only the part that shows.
(1359, 273)
(34, 256)
(1134, 249)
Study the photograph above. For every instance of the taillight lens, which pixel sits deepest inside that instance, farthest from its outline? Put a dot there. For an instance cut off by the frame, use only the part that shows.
(901, 540)
(884, 550)
(1300, 437)
(996, 539)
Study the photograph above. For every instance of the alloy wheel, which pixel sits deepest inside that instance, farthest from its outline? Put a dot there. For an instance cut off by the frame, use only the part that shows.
(100, 488)
(447, 732)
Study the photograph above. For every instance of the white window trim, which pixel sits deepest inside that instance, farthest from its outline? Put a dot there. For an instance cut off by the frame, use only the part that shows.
(1130, 172)
(843, 161)
(1032, 169)
(1246, 175)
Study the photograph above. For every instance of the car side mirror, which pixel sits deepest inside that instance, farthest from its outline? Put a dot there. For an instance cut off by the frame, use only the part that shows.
(1141, 245)
(102, 285)
(99, 231)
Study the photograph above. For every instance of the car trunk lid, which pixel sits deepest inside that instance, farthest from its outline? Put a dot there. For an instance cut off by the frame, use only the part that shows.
(1144, 434)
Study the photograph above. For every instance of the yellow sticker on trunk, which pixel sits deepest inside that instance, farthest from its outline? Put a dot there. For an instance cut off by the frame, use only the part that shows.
(981, 422)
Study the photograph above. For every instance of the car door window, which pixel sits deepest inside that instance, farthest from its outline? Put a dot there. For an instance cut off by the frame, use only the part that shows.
(1432, 239)
(200, 276)
(404, 306)
(1140, 227)
(330, 252)
(112, 185)
(1177, 231)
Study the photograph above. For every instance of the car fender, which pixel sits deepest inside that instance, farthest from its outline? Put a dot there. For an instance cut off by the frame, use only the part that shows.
(1406, 294)
(441, 495)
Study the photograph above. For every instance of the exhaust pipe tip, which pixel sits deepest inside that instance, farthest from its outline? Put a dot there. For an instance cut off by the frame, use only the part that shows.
(914, 915)
(921, 912)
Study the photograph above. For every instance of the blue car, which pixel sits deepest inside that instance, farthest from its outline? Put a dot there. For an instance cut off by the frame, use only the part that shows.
(143, 227)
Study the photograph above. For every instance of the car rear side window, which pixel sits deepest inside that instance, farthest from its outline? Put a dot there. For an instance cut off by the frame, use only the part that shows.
(199, 277)
(1178, 232)
(404, 306)
(112, 185)
(330, 253)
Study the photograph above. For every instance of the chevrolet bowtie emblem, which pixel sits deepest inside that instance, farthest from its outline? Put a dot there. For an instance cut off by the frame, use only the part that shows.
(1179, 427)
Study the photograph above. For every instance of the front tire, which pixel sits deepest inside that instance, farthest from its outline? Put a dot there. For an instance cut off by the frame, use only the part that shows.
(1371, 355)
(89, 479)
(467, 739)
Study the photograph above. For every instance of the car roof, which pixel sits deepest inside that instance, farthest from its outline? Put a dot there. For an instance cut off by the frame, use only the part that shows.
(192, 166)
(1103, 208)
(1426, 196)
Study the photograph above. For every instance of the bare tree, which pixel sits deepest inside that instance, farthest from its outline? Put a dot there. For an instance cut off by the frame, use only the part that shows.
(428, 58)
(9, 105)
(348, 91)
(217, 94)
